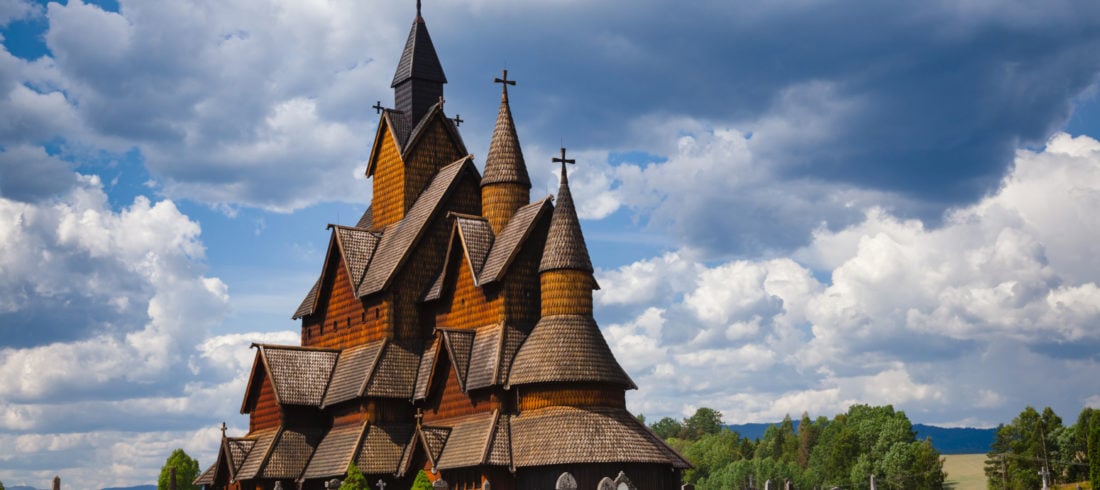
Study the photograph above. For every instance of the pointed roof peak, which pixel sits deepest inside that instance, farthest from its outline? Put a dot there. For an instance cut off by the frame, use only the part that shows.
(505, 163)
(419, 59)
(565, 248)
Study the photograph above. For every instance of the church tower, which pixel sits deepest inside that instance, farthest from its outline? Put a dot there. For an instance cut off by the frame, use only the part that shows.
(418, 82)
(565, 272)
(505, 187)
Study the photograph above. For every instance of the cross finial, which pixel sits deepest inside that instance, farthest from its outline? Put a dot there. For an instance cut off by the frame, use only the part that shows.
(563, 160)
(458, 120)
(441, 101)
(223, 429)
(381, 484)
(505, 82)
(419, 415)
(418, 8)
(377, 107)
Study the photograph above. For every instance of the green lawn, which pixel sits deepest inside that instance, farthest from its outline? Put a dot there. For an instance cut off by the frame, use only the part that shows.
(965, 471)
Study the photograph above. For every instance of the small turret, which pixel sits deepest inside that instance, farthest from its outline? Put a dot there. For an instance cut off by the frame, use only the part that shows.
(565, 272)
(505, 187)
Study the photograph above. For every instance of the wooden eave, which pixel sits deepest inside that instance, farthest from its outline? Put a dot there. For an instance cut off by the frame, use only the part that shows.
(252, 384)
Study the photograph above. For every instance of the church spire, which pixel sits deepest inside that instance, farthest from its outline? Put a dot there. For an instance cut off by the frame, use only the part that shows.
(506, 186)
(418, 81)
(565, 248)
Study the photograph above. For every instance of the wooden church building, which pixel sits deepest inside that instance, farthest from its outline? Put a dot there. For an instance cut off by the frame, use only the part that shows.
(450, 331)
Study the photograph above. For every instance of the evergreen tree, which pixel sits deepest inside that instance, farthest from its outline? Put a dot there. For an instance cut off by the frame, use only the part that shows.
(187, 469)
(704, 421)
(667, 428)
(1021, 449)
(421, 482)
(355, 479)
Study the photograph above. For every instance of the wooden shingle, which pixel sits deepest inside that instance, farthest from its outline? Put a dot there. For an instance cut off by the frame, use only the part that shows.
(383, 447)
(507, 245)
(335, 452)
(565, 248)
(299, 375)
(353, 369)
(567, 349)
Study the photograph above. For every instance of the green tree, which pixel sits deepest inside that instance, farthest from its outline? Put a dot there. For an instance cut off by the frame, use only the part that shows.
(421, 482)
(1021, 449)
(667, 428)
(808, 432)
(1, 485)
(711, 453)
(704, 421)
(355, 479)
(779, 442)
(187, 469)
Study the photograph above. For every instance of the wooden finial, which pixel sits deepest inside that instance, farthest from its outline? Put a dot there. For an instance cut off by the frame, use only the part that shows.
(377, 107)
(419, 415)
(441, 101)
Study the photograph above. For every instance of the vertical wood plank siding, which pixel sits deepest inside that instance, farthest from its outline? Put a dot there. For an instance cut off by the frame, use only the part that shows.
(346, 321)
(266, 413)
(566, 292)
(389, 184)
(463, 304)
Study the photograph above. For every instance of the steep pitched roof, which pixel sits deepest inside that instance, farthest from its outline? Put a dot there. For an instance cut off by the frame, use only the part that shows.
(394, 123)
(507, 246)
(563, 435)
(400, 238)
(470, 442)
(255, 458)
(565, 248)
(432, 440)
(383, 446)
(309, 303)
(505, 164)
(394, 375)
(491, 355)
(366, 221)
(207, 476)
(419, 59)
(355, 246)
(427, 369)
(458, 343)
(353, 370)
(475, 237)
(567, 348)
(434, 113)
(298, 375)
(291, 453)
(339, 446)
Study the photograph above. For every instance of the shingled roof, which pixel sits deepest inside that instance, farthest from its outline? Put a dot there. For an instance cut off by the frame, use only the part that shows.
(356, 246)
(567, 348)
(309, 303)
(419, 59)
(565, 248)
(255, 457)
(491, 355)
(352, 372)
(507, 245)
(426, 369)
(298, 375)
(383, 447)
(505, 164)
(335, 451)
(291, 452)
(399, 239)
(475, 237)
(562, 435)
(471, 442)
(458, 343)
(394, 375)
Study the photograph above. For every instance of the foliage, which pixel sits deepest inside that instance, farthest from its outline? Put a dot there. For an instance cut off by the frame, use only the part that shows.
(421, 482)
(1021, 449)
(843, 452)
(187, 469)
(667, 428)
(705, 421)
(355, 479)
(1, 485)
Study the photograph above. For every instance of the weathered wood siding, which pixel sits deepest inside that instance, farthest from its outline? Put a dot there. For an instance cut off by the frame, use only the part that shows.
(389, 197)
(447, 399)
(522, 291)
(434, 150)
(570, 395)
(343, 320)
(463, 304)
(266, 412)
(500, 201)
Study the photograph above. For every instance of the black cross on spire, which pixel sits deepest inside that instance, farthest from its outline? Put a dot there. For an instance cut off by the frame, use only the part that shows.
(563, 160)
(377, 107)
(419, 415)
(505, 82)
(458, 120)
(418, 8)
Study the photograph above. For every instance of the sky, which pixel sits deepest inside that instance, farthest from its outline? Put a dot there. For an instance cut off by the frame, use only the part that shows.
(792, 206)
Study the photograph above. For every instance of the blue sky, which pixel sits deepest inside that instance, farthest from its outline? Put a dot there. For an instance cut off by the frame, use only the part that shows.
(792, 206)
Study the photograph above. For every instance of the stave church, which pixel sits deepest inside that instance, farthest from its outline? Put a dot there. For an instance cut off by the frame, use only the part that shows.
(450, 331)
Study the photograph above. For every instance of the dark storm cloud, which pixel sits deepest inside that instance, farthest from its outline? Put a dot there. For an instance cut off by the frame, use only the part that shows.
(942, 94)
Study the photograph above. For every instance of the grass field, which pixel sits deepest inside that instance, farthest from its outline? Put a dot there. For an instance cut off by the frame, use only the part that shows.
(965, 471)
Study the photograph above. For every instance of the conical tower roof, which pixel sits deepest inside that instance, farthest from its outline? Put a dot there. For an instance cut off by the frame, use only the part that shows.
(505, 161)
(419, 60)
(565, 248)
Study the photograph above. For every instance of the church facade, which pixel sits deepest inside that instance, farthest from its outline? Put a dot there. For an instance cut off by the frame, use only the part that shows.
(450, 331)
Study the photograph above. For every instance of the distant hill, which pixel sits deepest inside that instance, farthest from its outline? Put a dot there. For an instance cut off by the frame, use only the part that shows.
(946, 440)
(21, 488)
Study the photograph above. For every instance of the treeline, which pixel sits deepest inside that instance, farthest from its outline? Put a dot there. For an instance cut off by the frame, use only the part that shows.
(843, 452)
(1037, 444)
